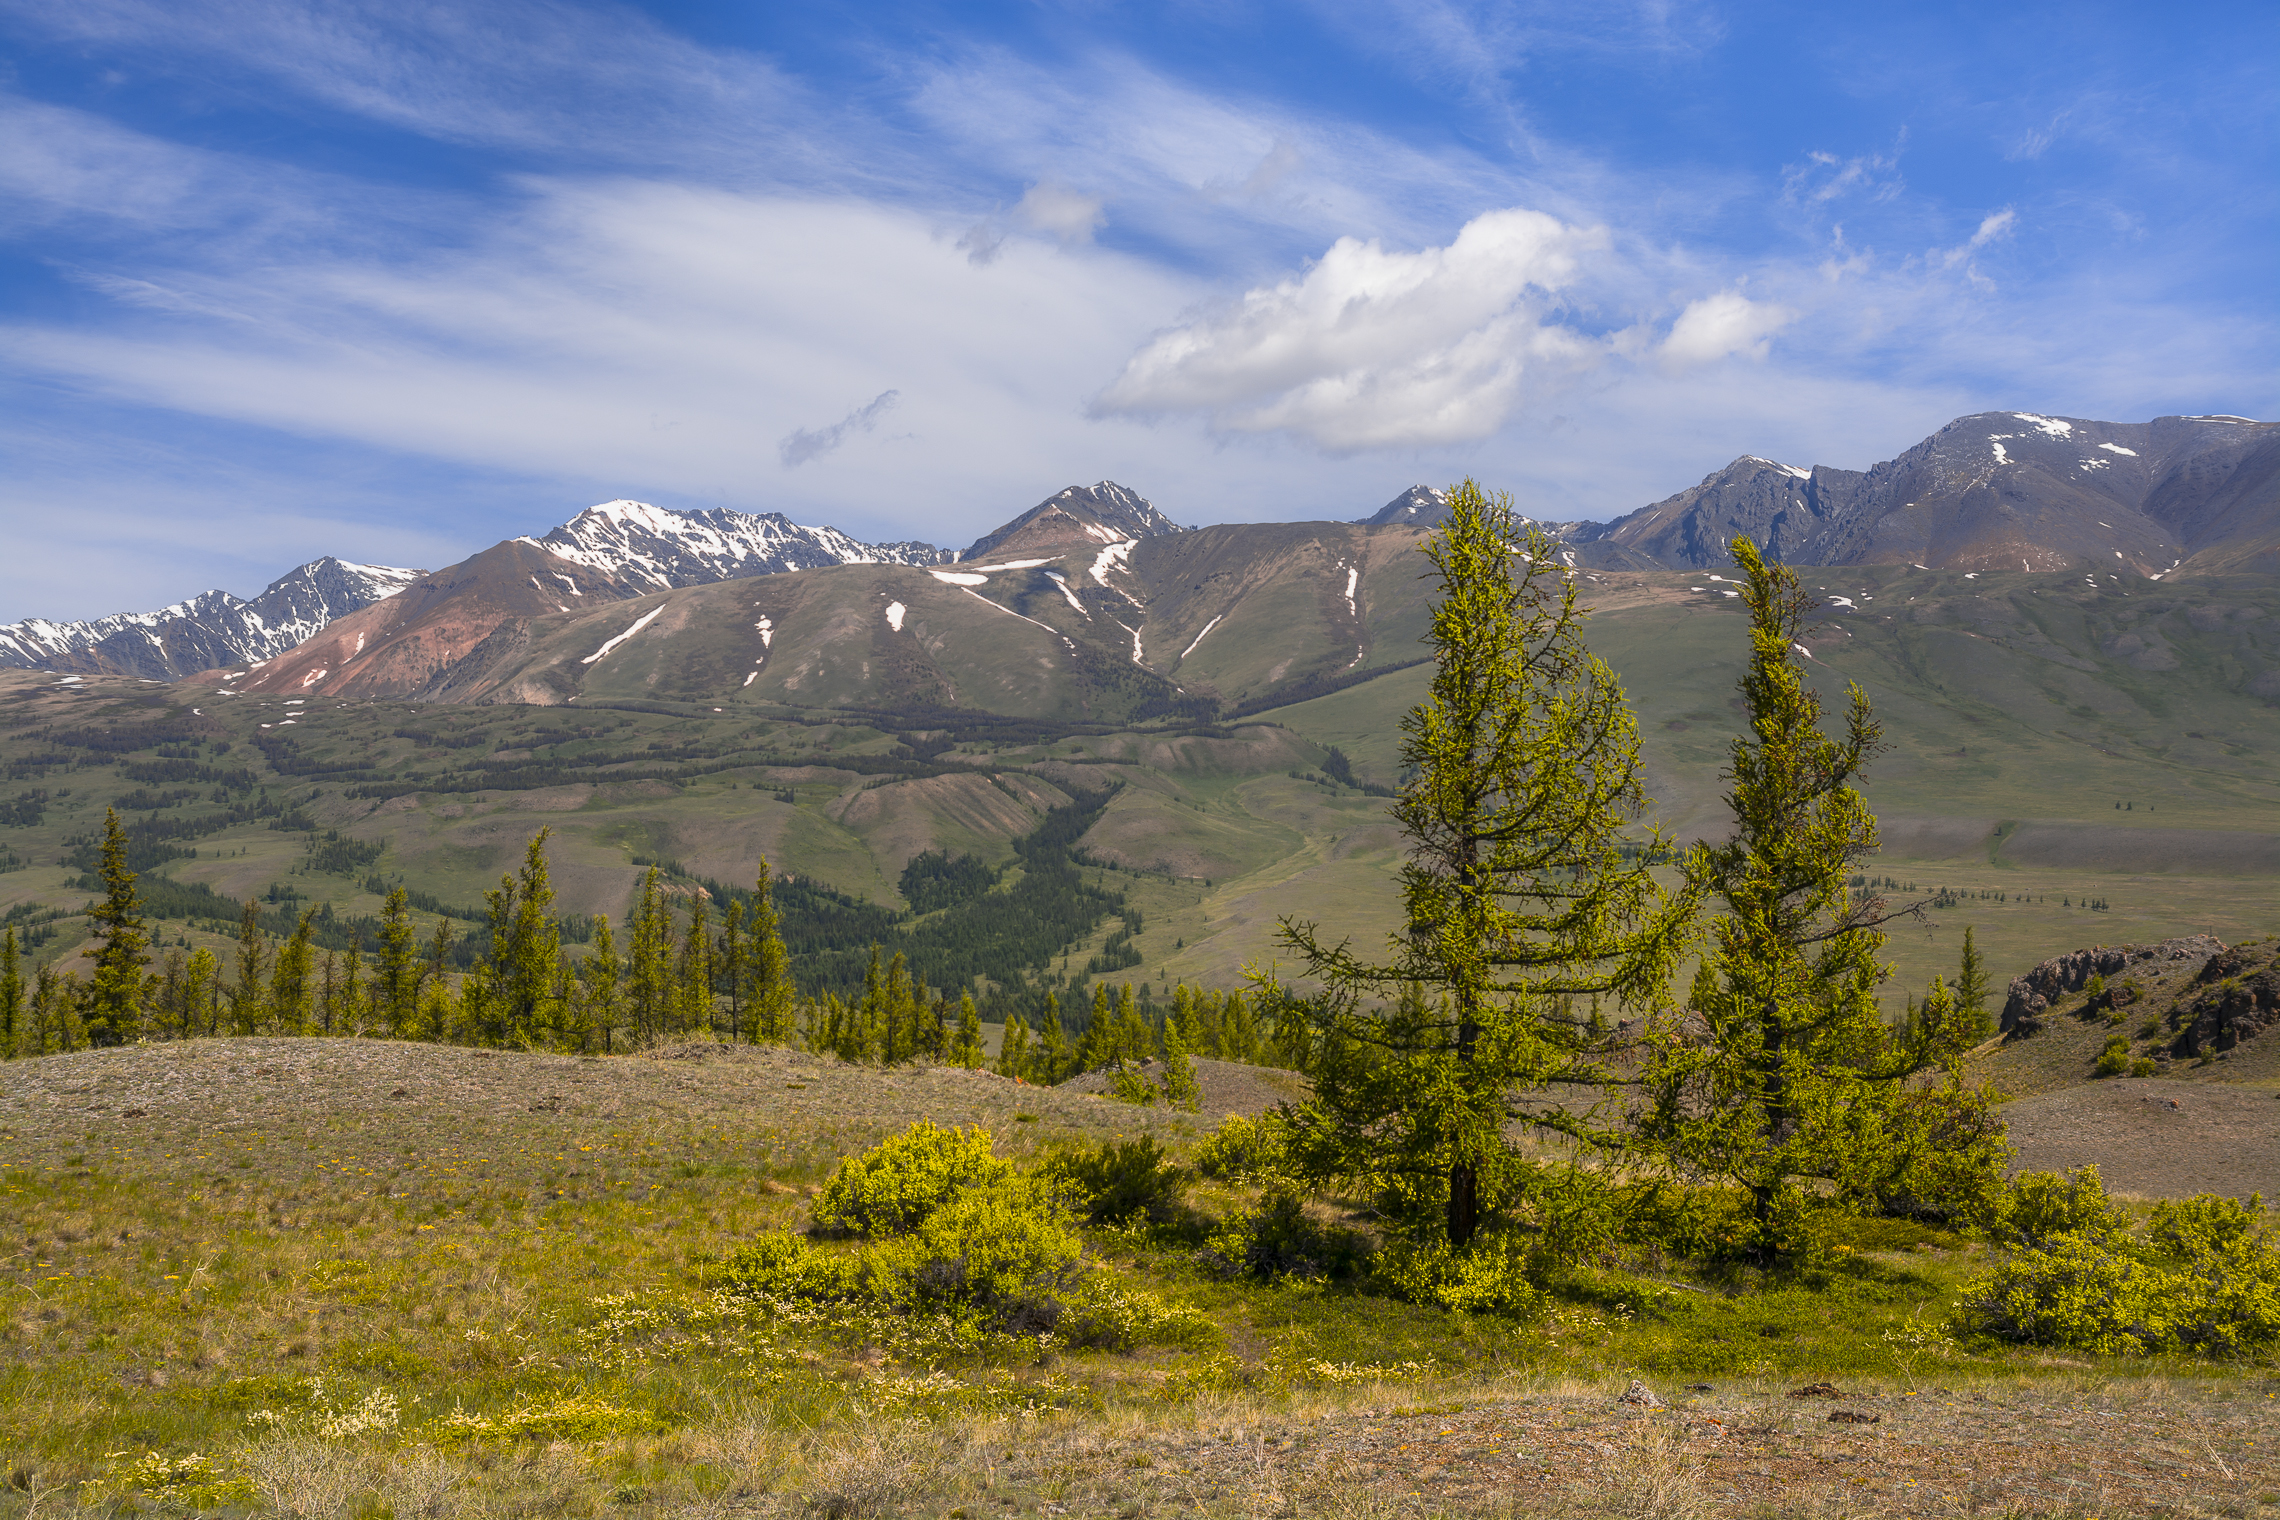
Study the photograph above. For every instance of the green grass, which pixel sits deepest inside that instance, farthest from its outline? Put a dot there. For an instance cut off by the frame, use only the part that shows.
(260, 1258)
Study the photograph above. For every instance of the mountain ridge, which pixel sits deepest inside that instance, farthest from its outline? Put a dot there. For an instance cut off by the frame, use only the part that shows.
(1988, 491)
(205, 631)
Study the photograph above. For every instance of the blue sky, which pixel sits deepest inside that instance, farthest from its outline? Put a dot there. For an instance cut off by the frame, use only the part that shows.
(394, 281)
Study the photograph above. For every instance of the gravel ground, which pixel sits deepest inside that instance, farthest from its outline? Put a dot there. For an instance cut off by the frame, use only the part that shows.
(2153, 1137)
(1934, 1453)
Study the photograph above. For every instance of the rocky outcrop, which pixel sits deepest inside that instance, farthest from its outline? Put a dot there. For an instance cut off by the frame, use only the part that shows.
(2240, 999)
(2032, 994)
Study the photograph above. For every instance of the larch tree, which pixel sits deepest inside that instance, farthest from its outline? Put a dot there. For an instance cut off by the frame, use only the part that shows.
(773, 997)
(248, 991)
(1784, 1081)
(648, 977)
(291, 984)
(526, 945)
(730, 963)
(396, 984)
(1519, 895)
(114, 995)
(11, 990)
(600, 973)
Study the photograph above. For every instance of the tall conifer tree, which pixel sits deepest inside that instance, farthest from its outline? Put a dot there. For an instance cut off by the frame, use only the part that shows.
(396, 986)
(248, 992)
(648, 981)
(114, 995)
(1526, 781)
(11, 991)
(601, 972)
(773, 996)
(290, 984)
(1791, 1087)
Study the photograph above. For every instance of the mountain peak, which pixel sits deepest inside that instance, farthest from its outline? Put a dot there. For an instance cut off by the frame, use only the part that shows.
(205, 631)
(659, 547)
(1081, 516)
(1417, 507)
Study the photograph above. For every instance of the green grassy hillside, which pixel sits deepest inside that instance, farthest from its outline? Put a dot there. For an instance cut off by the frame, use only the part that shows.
(2074, 762)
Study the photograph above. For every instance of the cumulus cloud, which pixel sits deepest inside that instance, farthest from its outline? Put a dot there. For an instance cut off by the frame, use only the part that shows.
(1720, 326)
(803, 444)
(1373, 348)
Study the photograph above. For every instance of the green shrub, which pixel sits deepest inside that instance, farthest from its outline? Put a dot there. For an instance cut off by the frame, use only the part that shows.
(1006, 1254)
(786, 1266)
(893, 1187)
(951, 1230)
(1491, 1277)
(2040, 1206)
(2204, 1277)
(1241, 1148)
(1277, 1239)
(1112, 1183)
(2095, 987)
(2115, 1058)
(2144, 1066)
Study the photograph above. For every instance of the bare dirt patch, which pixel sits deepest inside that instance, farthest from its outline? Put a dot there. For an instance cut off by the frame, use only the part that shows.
(2159, 1138)
(1228, 1087)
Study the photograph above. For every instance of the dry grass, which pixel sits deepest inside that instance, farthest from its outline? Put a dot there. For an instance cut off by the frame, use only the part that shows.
(278, 1219)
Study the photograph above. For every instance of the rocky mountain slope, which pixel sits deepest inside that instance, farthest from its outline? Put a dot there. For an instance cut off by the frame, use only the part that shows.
(1082, 516)
(1066, 621)
(1994, 491)
(209, 630)
(621, 548)
(656, 547)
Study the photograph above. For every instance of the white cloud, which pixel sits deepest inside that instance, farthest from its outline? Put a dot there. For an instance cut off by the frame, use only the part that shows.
(1056, 209)
(1720, 326)
(1372, 348)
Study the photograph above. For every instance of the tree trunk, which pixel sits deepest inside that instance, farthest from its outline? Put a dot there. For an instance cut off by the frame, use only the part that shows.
(1464, 1203)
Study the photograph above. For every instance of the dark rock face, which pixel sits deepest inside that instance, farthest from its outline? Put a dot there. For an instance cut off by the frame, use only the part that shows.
(2240, 1000)
(2032, 994)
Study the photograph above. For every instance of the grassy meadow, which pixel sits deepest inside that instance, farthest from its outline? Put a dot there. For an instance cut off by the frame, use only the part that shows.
(352, 1278)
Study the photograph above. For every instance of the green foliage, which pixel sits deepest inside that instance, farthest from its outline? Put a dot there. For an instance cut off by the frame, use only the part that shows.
(1519, 895)
(2203, 1277)
(1488, 1277)
(1005, 1252)
(1115, 1182)
(949, 1229)
(2039, 1207)
(1244, 1148)
(1783, 1080)
(2115, 1058)
(112, 1006)
(934, 880)
(896, 1186)
(1279, 1239)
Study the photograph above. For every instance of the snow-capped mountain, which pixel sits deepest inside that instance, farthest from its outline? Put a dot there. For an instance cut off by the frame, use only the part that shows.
(655, 548)
(207, 631)
(1992, 491)
(1417, 507)
(1104, 513)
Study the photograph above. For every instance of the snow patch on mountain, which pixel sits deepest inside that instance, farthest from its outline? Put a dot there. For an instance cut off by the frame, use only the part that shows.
(210, 630)
(659, 546)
